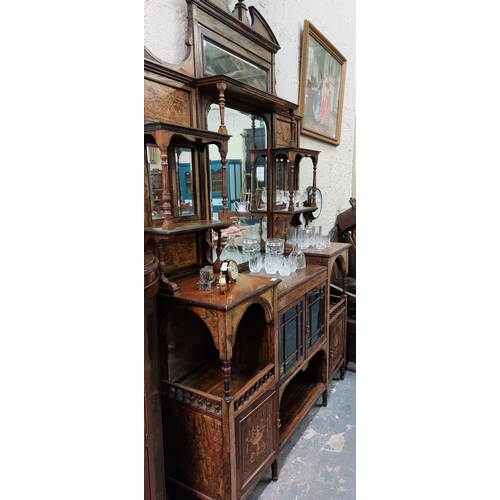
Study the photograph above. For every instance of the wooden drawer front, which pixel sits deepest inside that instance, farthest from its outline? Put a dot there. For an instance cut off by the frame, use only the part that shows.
(256, 439)
(290, 338)
(315, 320)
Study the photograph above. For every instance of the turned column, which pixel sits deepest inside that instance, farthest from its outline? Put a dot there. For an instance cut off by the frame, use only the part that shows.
(163, 140)
(315, 163)
(226, 373)
(291, 183)
(221, 87)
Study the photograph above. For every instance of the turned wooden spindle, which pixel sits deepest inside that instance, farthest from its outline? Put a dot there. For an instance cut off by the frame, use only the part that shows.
(293, 124)
(221, 87)
(253, 145)
(291, 183)
(223, 147)
(167, 207)
(223, 162)
(226, 373)
(315, 163)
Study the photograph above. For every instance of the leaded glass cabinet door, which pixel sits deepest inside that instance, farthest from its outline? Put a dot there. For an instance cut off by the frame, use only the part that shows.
(290, 338)
(315, 317)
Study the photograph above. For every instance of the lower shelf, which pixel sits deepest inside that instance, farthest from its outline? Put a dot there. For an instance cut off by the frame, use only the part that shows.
(299, 396)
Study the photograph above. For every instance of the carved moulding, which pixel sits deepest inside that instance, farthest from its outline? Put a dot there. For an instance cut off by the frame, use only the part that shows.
(255, 386)
(197, 399)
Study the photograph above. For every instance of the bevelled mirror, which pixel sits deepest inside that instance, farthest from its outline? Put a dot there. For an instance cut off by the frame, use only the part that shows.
(155, 181)
(246, 179)
(186, 200)
(182, 178)
(219, 61)
(248, 133)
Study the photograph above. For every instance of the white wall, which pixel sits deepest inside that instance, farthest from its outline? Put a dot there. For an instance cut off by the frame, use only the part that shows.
(165, 26)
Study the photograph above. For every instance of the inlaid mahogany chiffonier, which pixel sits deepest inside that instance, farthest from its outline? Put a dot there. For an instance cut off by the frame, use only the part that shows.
(231, 368)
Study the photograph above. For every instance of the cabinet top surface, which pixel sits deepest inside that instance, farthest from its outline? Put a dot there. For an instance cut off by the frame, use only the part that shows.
(334, 249)
(245, 288)
(296, 278)
(300, 276)
(187, 227)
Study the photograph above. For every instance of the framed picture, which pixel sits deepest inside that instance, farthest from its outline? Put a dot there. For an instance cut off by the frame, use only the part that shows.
(321, 86)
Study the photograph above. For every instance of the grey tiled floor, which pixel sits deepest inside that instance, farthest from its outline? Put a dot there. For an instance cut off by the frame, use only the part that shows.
(319, 460)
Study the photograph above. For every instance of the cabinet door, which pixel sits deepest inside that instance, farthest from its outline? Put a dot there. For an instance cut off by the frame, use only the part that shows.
(315, 321)
(337, 333)
(256, 440)
(290, 338)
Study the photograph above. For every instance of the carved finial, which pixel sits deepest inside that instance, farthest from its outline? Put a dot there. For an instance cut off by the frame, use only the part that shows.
(240, 9)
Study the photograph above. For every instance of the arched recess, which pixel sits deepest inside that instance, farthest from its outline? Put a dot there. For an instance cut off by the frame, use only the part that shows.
(184, 331)
(339, 268)
(221, 324)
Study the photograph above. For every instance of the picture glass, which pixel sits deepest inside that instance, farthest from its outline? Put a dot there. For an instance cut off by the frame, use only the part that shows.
(322, 90)
(321, 86)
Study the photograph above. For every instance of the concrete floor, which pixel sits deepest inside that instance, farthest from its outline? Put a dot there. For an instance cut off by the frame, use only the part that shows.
(319, 460)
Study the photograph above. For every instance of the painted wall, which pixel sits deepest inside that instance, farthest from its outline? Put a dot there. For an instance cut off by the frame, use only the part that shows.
(165, 26)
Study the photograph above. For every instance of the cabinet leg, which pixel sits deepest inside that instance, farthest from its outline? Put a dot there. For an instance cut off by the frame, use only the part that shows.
(274, 470)
(342, 372)
(325, 397)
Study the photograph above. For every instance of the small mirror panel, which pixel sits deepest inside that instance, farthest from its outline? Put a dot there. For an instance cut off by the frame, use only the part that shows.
(184, 181)
(155, 181)
(218, 61)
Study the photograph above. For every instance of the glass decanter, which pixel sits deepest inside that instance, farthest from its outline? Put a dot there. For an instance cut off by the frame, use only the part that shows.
(298, 256)
(231, 250)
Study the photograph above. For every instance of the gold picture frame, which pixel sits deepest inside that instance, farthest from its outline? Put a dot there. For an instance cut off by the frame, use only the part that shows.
(321, 86)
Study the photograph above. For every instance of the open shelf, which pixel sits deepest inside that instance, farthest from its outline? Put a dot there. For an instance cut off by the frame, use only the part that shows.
(182, 362)
(300, 394)
(191, 370)
(298, 398)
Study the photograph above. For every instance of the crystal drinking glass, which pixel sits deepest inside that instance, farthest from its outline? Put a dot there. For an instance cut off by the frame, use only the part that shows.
(299, 257)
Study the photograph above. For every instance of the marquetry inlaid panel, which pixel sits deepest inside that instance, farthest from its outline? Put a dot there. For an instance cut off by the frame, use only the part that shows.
(194, 443)
(256, 433)
(180, 251)
(168, 104)
(337, 341)
(282, 134)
